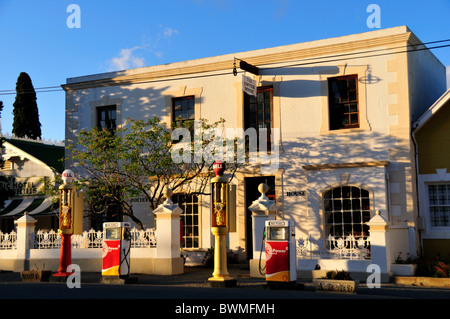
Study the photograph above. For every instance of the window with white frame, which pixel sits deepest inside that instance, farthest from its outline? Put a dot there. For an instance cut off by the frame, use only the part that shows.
(189, 218)
(439, 204)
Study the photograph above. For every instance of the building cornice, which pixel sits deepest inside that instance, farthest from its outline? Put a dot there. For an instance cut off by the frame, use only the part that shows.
(344, 165)
(307, 50)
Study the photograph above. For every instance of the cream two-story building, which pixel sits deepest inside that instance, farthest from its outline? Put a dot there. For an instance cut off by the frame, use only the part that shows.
(340, 108)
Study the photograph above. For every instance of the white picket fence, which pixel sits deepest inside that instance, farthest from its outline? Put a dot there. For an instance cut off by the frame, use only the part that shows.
(332, 248)
(8, 240)
(346, 247)
(88, 239)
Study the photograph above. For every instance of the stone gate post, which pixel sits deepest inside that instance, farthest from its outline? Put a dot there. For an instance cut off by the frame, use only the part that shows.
(25, 241)
(380, 244)
(169, 260)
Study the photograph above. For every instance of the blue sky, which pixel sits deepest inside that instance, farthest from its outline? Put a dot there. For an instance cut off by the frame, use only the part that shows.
(35, 38)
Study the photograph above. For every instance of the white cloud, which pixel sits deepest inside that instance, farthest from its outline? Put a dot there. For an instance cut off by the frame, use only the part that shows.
(126, 60)
(168, 32)
(149, 47)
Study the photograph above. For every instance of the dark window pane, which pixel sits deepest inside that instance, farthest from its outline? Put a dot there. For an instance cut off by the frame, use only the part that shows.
(344, 214)
(352, 84)
(343, 90)
(106, 118)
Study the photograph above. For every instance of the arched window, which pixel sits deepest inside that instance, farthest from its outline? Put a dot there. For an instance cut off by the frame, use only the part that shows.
(347, 209)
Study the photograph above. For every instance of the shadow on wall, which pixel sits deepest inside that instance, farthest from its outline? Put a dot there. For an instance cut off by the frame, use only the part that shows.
(336, 149)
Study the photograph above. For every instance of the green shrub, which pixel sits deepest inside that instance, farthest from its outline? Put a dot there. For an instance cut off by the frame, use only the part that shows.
(338, 275)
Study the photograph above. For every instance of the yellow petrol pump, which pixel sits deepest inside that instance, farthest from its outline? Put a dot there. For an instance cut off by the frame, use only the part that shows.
(221, 223)
(70, 210)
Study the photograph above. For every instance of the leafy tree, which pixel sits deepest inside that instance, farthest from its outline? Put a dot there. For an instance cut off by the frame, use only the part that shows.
(137, 160)
(26, 116)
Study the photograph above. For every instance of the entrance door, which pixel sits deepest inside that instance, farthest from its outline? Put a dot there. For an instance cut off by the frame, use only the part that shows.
(251, 194)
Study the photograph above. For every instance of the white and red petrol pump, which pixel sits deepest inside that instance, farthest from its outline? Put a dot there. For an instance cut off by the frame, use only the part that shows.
(280, 251)
(116, 249)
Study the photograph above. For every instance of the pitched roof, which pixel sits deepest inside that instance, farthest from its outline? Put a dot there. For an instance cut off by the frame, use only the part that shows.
(432, 111)
(52, 155)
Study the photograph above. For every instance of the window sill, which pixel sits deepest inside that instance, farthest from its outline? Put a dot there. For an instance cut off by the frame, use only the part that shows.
(344, 131)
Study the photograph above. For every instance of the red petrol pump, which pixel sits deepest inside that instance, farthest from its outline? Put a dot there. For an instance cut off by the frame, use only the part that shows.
(280, 251)
(70, 220)
(116, 249)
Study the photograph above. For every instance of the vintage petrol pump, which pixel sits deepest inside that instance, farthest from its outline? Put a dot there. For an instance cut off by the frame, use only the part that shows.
(70, 219)
(280, 251)
(116, 249)
(222, 221)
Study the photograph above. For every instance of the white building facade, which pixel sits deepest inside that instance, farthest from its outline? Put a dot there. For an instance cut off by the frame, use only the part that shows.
(342, 109)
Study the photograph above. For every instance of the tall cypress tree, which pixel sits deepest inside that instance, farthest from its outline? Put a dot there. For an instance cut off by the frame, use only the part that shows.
(26, 116)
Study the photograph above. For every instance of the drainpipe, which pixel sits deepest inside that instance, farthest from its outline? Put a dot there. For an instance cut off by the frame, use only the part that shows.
(388, 193)
(416, 166)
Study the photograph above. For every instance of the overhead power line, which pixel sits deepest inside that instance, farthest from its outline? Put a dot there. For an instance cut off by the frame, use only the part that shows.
(299, 62)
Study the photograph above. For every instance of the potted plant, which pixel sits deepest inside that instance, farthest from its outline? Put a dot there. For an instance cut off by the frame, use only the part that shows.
(336, 281)
(431, 271)
(404, 267)
(35, 275)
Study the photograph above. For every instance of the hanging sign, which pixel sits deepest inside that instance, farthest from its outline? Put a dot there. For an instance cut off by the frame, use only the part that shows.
(248, 85)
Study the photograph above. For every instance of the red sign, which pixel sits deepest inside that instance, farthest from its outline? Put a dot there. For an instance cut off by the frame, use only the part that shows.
(277, 261)
(111, 258)
(219, 167)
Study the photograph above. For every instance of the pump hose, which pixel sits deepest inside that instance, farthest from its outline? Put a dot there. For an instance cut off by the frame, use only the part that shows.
(125, 255)
(260, 254)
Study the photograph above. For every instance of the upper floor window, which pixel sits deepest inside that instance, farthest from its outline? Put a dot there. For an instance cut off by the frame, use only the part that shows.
(106, 118)
(343, 102)
(183, 109)
(258, 111)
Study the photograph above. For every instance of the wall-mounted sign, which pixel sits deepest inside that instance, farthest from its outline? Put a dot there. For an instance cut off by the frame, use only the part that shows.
(248, 85)
(23, 186)
(295, 193)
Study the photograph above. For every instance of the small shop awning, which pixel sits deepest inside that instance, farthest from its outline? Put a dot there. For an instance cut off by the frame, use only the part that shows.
(33, 206)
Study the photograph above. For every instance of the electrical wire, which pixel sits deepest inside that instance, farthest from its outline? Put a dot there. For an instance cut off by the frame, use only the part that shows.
(372, 51)
(301, 62)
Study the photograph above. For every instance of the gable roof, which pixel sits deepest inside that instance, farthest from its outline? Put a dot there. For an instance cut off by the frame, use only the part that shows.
(51, 155)
(431, 111)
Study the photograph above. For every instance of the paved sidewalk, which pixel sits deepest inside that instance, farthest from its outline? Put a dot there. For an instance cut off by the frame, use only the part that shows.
(198, 277)
(192, 276)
